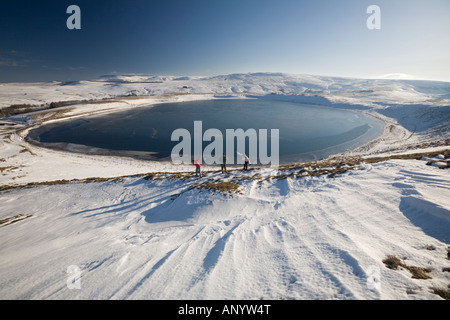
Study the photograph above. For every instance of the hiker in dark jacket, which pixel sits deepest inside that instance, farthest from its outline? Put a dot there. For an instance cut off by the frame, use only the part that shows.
(224, 163)
(246, 161)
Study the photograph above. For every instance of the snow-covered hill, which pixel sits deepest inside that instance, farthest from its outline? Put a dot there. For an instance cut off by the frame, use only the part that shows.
(138, 230)
(344, 90)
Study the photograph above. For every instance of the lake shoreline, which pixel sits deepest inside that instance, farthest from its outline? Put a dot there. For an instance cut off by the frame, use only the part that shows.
(349, 141)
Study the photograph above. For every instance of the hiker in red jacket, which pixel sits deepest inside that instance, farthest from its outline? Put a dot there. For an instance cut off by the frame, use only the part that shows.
(197, 167)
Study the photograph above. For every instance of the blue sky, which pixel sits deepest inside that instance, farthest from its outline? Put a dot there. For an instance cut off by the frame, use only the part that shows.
(323, 37)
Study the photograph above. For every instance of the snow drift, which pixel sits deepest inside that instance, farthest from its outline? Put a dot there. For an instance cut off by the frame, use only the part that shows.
(143, 230)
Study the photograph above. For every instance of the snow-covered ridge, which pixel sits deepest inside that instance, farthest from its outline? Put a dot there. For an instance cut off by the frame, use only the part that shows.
(342, 90)
(285, 235)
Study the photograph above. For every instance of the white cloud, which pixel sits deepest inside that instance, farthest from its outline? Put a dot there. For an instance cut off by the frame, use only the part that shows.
(399, 76)
(7, 62)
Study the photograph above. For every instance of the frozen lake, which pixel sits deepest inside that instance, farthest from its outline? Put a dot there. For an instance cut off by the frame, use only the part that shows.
(306, 131)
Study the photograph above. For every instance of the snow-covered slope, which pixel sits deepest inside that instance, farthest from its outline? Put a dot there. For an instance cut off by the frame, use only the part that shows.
(282, 236)
(304, 238)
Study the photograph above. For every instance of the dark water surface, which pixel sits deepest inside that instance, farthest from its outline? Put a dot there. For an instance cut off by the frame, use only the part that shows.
(306, 131)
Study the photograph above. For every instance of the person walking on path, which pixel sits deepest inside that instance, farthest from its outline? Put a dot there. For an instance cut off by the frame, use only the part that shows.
(197, 167)
(224, 163)
(246, 161)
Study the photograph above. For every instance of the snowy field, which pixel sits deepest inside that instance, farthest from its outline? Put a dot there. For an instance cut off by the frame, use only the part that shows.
(149, 230)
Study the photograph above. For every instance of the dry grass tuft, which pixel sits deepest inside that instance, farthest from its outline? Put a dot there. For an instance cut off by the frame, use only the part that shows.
(393, 263)
(224, 187)
(11, 220)
(443, 293)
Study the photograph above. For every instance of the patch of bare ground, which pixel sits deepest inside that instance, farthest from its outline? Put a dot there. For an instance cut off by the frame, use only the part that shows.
(420, 273)
(10, 220)
(443, 293)
(59, 182)
(394, 263)
(330, 168)
(223, 187)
